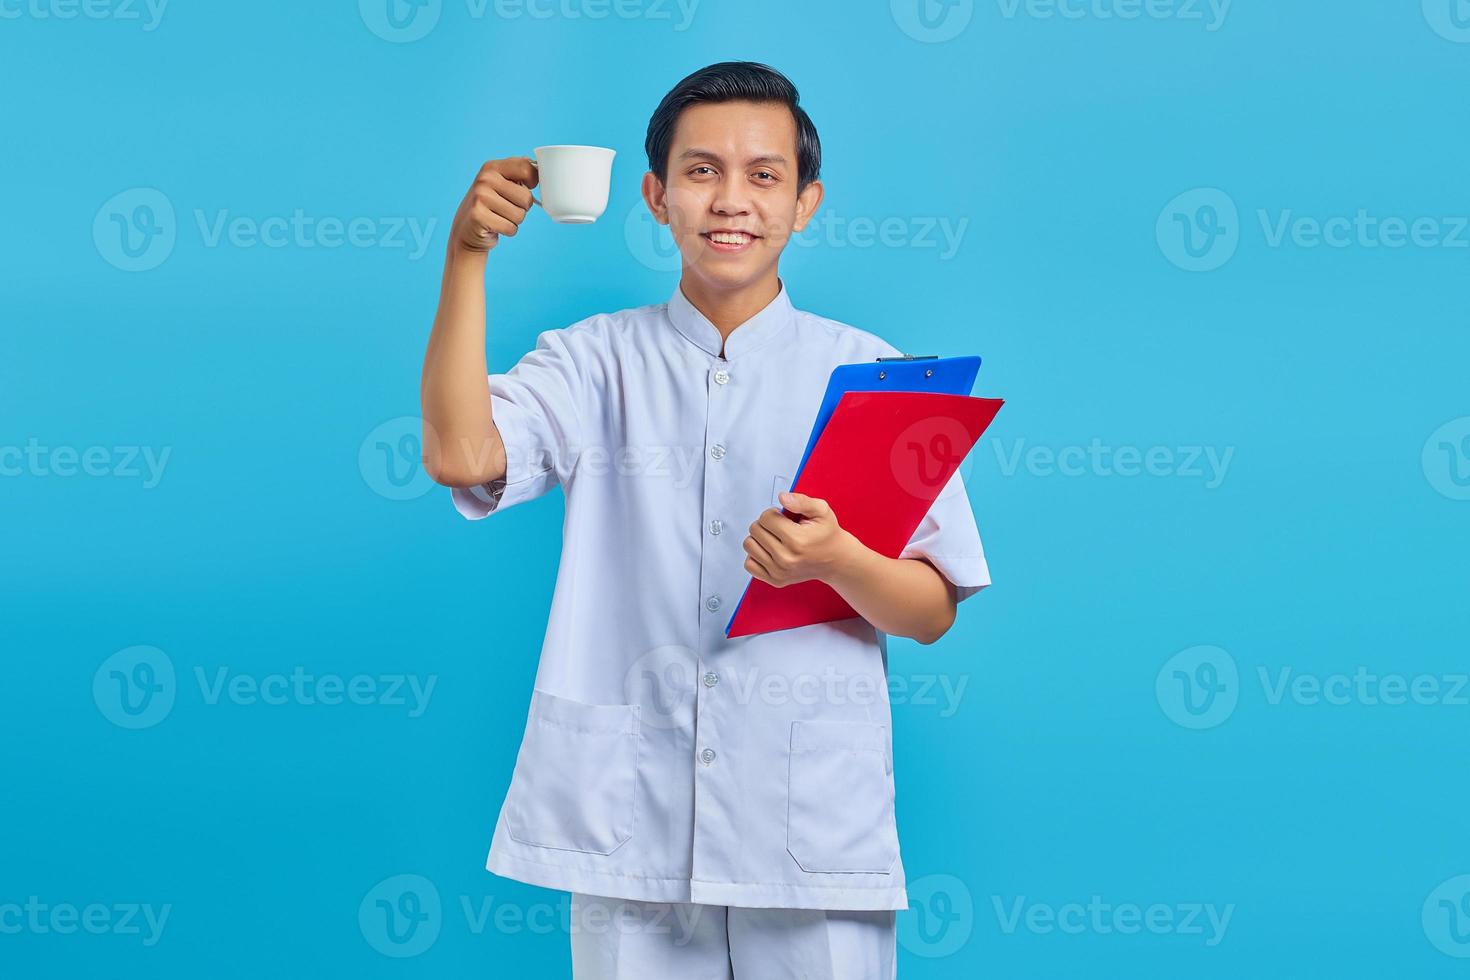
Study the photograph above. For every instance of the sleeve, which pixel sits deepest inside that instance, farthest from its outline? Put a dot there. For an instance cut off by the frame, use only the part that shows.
(537, 410)
(949, 539)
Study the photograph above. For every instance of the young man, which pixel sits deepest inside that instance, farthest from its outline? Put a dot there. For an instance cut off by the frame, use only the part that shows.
(718, 808)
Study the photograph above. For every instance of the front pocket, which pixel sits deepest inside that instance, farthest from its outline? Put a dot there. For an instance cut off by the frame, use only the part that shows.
(576, 776)
(839, 800)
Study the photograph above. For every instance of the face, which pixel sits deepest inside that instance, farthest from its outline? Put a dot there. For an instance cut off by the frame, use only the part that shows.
(730, 198)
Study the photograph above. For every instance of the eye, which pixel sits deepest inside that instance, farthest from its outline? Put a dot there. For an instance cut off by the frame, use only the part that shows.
(765, 173)
(702, 166)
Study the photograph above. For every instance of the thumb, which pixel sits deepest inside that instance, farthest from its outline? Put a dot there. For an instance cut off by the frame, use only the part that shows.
(800, 503)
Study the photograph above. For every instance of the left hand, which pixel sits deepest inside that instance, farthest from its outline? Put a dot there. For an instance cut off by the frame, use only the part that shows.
(783, 552)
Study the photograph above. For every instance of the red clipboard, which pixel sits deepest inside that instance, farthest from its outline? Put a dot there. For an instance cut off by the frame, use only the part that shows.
(880, 463)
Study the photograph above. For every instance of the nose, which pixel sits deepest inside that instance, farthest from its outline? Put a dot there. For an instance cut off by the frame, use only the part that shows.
(732, 197)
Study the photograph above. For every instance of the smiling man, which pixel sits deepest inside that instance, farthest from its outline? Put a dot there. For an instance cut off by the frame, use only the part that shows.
(718, 807)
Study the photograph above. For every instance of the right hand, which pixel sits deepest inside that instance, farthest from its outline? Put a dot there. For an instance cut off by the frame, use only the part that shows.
(496, 204)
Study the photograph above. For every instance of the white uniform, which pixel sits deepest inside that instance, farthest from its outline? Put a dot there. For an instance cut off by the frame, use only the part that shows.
(661, 761)
(620, 939)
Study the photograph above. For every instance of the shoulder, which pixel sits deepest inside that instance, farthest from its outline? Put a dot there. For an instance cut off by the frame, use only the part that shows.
(600, 330)
(844, 339)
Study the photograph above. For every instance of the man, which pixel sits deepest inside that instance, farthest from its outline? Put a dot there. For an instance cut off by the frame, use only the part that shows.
(718, 807)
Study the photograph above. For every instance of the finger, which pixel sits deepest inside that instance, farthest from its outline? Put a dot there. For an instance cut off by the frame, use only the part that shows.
(506, 209)
(519, 169)
(800, 503)
(774, 547)
(510, 190)
(759, 552)
(494, 224)
(778, 524)
(757, 570)
(484, 219)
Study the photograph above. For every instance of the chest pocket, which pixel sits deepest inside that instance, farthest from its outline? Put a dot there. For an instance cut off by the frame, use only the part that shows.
(839, 815)
(779, 485)
(576, 776)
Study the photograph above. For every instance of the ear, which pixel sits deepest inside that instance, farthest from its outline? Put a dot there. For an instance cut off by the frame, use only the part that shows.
(655, 198)
(806, 204)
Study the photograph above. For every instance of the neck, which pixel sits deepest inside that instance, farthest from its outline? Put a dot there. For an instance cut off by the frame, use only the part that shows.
(728, 309)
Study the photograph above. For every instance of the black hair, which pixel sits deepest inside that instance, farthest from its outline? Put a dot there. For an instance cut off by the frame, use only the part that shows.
(733, 81)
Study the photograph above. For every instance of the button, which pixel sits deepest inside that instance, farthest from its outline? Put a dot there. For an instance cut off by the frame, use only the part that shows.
(717, 451)
(711, 679)
(722, 376)
(712, 603)
(715, 527)
(707, 756)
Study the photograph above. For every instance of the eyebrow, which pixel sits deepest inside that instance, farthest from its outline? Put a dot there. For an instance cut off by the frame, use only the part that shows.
(696, 153)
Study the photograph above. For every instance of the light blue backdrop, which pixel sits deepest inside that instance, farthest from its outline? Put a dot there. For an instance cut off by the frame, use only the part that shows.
(1207, 721)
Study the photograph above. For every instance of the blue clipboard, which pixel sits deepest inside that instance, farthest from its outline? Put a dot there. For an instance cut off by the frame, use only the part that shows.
(910, 372)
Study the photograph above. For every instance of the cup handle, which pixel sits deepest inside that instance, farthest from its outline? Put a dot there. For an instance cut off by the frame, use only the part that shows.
(534, 199)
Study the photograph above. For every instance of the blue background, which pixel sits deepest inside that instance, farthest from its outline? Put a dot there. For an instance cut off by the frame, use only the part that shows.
(1078, 762)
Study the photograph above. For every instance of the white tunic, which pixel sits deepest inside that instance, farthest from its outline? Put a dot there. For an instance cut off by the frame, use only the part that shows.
(661, 761)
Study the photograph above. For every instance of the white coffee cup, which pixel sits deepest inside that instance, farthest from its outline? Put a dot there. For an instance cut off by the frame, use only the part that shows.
(574, 181)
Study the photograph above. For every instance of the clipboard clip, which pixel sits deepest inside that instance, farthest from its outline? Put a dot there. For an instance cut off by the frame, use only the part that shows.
(910, 357)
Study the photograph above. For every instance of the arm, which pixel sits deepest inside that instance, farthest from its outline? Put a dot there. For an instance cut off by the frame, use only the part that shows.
(462, 447)
(900, 596)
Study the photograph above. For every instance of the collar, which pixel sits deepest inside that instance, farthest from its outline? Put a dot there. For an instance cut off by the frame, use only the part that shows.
(751, 334)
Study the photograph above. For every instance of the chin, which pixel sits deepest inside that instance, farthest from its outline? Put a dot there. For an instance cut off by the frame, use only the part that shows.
(724, 275)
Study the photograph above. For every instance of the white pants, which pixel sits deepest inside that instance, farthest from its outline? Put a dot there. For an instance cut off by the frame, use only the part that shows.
(621, 939)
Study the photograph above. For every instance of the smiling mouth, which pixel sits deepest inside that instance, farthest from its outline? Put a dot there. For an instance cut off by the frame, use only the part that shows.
(728, 241)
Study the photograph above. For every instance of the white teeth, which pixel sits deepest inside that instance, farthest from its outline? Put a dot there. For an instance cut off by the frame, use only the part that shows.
(726, 238)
